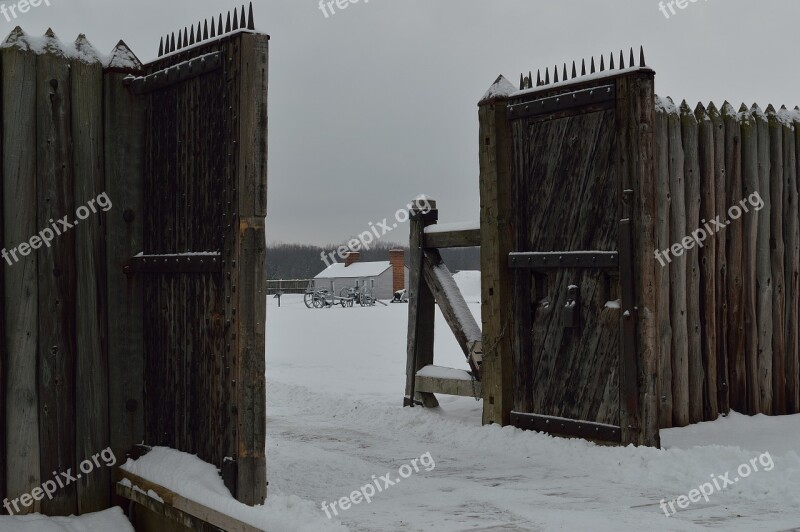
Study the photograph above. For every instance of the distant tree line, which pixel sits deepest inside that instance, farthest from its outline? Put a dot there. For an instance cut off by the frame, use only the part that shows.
(302, 261)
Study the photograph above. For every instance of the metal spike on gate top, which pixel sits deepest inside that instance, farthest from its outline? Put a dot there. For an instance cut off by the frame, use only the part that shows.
(219, 28)
(199, 32)
(161, 47)
(538, 78)
(228, 23)
(555, 74)
(564, 76)
(574, 71)
(172, 43)
(235, 19)
(180, 40)
(251, 21)
(621, 60)
(521, 82)
(547, 76)
(611, 65)
(641, 56)
(583, 67)
(191, 37)
(242, 19)
(593, 69)
(632, 61)
(602, 63)
(205, 30)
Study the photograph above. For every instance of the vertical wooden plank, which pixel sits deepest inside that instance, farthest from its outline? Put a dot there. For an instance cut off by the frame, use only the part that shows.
(56, 273)
(252, 188)
(91, 372)
(663, 242)
(749, 262)
(496, 278)
(3, 350)
(678, 304)
(734, 232)
(123, 133)
(764, 281)
(791, 231)
(777, 398)
(708, 262)
(421, 305)
(721, 282)
(793, 377)
(21, 301)
(640, 160)
(691, 172)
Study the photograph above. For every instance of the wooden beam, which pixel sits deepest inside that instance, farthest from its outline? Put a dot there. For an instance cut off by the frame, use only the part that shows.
(176, 507)
(454, 309)
(453, 239)
(421, 307)
(447, 381)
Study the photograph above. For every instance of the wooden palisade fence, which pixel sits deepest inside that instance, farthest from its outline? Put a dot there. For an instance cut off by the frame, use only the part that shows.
(145, 321)
(640, 261)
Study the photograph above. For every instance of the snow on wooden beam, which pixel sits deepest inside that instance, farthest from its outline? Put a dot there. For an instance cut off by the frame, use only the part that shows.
(448, 381)
(454, 308)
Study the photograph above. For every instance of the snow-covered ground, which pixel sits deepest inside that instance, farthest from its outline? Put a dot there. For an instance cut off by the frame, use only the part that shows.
(336, 379)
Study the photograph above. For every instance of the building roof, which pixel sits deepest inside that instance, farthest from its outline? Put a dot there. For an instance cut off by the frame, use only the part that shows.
(357, 270)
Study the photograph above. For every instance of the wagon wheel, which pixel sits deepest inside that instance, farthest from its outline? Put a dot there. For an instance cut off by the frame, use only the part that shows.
(319, 301)
(343, 302)
(344, 292)
(308, 299)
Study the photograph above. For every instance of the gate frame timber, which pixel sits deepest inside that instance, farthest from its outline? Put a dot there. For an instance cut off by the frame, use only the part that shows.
(634, 98)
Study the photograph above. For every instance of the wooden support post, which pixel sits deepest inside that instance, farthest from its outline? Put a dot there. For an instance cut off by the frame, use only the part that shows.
(764, 281)
(91, 372)
(750, 263)
(21, 416)
(124, 132)
(663, 242)
(776, 398)
(421, 305)
(56, 273)
(495, 149)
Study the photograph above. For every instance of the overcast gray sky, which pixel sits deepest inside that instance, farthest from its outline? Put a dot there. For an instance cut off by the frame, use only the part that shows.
(377, 103)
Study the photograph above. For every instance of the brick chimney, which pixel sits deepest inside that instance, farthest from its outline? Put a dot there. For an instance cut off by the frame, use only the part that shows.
(398, 259)
(351, 258)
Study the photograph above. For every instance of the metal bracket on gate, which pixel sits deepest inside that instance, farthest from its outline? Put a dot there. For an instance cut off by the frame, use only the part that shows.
(604, 260)
(571, 311)
(192, 263)
(174, 74)
(604, 96)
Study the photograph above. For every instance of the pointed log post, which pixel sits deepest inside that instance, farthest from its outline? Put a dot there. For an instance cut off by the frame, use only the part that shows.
(91, 370)
(21, 418)
(777, 398)
(749, 262)
(791, 231)
(421, 304)
(663, 242)
(793, 375)
(764, 280)
(497, 314)
(691, 173)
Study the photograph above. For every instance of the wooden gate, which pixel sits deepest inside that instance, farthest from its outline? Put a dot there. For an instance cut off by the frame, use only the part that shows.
(581, 172)
(204, 250)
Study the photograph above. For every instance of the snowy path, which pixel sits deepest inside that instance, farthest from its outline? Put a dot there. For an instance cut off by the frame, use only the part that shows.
(336, 380)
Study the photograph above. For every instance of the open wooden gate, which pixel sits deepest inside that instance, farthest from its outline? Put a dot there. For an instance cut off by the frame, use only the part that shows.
(204, 251)
(581, 172)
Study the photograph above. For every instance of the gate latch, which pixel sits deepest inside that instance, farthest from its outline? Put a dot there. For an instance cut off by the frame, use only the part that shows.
(570, 313)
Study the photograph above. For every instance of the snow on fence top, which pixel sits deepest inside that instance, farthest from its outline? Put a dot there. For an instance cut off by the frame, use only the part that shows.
(784, 116)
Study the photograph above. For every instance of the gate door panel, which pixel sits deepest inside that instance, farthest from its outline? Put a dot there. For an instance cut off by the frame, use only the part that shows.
(575, 337)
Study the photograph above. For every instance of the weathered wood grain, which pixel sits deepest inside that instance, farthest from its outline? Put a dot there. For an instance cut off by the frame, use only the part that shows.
(21, 315)
(663, 242)
(721, 281)
(734, 233)
(678, 270)
(776, 396)
(91, 370)
(708, 261)
(764, 285)
(454, 239)
(750, 180)
(56, 274)
(691, 173)
(793, 375)
(123, 133)
(421, 307)
(791, 232)
(496, 218)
